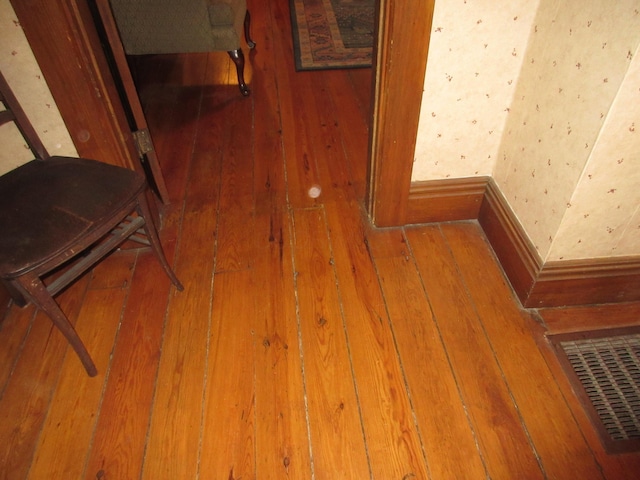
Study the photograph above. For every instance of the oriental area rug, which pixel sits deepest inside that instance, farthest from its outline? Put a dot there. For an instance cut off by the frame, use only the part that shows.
(332, 33)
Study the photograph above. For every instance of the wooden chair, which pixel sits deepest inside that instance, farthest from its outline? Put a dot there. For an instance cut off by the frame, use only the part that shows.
(59, 216)
(185, 26)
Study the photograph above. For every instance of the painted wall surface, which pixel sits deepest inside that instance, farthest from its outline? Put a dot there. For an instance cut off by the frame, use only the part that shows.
(566, 158)
(19, 67)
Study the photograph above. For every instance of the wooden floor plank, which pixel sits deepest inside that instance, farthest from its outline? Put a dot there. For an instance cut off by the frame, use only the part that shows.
(174, 430)
(76, 402)
(448, 439)
(337, 443)
(560, 443)
(299, 126)
(269, 176)
(332, 163)
(14, 328)
(391, 435)
(27, 395)
(281, 427)
(118, 447)
(345, 122)
(229, 424)
(362, 88)
(234, 248)
(487, 398)
(307, 344)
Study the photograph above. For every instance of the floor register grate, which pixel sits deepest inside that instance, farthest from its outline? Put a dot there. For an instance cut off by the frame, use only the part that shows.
(604, 368)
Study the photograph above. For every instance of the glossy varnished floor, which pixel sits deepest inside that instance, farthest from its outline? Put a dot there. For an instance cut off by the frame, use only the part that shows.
(306, 344)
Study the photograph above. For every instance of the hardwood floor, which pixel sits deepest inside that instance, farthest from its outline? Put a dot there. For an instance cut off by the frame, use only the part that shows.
(307, 344)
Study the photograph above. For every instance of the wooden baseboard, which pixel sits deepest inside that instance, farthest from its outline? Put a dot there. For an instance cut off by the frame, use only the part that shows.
(586, 282)
(536, 283)
(517, 255)
(445, 200)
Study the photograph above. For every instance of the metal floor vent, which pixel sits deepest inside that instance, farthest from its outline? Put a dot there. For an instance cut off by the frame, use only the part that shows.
(604, 368)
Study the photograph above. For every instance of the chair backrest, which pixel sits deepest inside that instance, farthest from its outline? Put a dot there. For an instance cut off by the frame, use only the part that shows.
(14, 113)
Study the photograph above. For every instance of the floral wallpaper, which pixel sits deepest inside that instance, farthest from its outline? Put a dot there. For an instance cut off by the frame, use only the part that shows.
(21, 71)
(565, 152)
(475, 55)
(603, 214)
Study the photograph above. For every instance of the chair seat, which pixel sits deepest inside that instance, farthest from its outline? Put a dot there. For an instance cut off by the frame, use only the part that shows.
(46, 207)
(59, 217)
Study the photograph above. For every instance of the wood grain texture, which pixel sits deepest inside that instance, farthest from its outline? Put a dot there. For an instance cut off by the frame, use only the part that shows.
(307, 343)
(76, 401)
(508, 329)
(591, 317)
(27, 394)
(228, 441)
(333, 412)
(584, 282)
(392, 438)
(174, 430)
(399, 67)
(492, 412)
(449, 443)
(279, 384)
(121, 429)
(445, 200)
(14, 329)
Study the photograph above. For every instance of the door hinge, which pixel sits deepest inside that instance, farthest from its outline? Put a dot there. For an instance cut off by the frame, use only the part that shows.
(143, 142)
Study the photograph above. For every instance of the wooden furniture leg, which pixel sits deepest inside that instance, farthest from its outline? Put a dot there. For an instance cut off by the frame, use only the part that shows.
(31, 287)
(238, 58)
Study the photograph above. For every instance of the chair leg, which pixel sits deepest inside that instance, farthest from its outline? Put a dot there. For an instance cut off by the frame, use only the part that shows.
(247, 29)
(16, 294)
(154, 240)
(32, 288)
(238, 58)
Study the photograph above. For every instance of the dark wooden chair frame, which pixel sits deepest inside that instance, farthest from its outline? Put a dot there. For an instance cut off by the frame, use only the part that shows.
(35, 278)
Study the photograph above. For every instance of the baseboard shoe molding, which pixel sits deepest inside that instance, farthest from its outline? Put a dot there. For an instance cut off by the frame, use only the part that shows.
(537, 284)
(445, 200)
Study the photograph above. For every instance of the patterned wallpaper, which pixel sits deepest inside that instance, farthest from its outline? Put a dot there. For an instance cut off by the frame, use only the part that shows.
(604, 214)
(566, 154)
(475, 56)
(21, 70)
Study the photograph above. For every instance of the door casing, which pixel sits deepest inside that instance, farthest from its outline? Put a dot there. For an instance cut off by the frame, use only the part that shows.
(65, 43)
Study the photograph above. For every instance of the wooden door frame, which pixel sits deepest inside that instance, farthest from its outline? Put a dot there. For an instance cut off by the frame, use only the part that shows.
(65, 43)
(400, 61)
